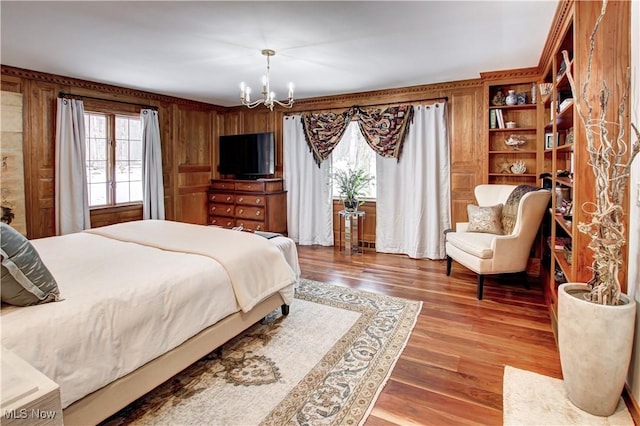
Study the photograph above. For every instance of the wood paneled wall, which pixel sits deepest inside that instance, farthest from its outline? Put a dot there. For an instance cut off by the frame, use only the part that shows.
(188, 131)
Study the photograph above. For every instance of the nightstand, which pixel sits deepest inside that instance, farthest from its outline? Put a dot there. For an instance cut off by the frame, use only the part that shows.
(28, 396)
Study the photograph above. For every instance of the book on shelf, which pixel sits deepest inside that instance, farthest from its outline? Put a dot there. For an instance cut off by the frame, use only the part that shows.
(565, 103)
(500, 118)
(492, 119)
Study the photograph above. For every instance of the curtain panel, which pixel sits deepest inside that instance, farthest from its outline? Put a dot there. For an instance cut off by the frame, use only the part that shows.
(309, 201)
(413, 195)
(383, 129)
(152, 186)
(71, 191)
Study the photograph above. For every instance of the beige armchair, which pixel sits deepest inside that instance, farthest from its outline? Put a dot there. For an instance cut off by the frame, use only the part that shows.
(489, 253)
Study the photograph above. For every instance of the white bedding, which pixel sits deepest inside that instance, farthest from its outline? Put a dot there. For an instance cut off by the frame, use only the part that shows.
(108, 323)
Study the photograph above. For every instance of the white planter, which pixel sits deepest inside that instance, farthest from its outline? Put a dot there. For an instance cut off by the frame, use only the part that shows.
(595, 343)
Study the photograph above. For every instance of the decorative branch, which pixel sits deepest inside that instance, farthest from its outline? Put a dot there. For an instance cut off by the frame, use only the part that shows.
(611, 171)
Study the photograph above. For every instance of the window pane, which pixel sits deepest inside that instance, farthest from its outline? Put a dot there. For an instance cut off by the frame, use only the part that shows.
(128, 166)
(97, 194)
(97, 171)
(353, 152)
(122, 192)
(97, 155)
(135, 188)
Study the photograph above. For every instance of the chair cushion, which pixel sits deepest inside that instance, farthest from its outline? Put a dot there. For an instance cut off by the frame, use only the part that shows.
(485, 219)
(510, 208)
(474, 243)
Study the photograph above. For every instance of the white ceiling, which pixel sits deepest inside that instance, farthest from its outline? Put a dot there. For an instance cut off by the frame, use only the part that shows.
(202, 50)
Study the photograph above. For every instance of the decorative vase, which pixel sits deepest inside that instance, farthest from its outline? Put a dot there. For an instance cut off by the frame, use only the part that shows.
(512, 98)
(595, 343)
(350, 205)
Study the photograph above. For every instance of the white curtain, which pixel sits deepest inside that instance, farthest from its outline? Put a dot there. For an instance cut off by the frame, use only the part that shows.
(309, 201)
(413, 195)
(71, 192)
(153, 191)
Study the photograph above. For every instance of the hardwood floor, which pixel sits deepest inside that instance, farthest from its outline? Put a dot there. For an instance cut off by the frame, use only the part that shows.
(451, 370)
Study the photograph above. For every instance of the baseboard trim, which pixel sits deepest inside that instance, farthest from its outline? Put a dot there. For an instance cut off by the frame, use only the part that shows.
(631, 403)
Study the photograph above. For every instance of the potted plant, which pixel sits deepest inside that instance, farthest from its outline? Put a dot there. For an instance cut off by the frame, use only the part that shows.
(596, 320)
(350, 184)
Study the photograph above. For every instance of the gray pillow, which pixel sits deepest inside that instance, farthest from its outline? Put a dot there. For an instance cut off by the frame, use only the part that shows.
(25, 280)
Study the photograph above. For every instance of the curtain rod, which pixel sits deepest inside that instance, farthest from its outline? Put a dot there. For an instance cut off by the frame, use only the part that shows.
(445, 98)
(70, 95)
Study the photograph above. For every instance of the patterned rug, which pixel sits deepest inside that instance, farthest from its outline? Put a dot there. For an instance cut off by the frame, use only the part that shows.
(324, 363)
(533, 399)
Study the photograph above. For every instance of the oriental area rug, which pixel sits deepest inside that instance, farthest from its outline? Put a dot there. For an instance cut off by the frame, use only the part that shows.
(534, 399)
(323, 364)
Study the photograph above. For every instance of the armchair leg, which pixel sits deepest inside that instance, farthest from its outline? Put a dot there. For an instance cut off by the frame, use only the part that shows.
(449, 265)
(480, 284)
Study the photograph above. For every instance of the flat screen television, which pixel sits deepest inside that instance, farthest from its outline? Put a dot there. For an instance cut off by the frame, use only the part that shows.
(248, 156)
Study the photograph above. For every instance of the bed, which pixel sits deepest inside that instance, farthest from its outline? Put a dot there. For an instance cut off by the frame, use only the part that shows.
(142, 301)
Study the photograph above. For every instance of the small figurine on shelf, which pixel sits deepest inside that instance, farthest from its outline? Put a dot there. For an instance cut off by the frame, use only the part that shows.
(498, 99)
(518, 167)
(515, 141)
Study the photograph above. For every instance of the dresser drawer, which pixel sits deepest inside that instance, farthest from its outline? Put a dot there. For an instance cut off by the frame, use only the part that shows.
(222, 198)
(222, 185)
(250, 224)
(252, 213)
(227, 222)
(250, 200)
(220, 209)
(250, 186)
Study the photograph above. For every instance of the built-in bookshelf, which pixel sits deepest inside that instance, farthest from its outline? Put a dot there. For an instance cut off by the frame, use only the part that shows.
(512, 132)
(566, 256)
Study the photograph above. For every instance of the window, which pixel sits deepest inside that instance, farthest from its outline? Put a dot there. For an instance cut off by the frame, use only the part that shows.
(353, 152)
(114, 158)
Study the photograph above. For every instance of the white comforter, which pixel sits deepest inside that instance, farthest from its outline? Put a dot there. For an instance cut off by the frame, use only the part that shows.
(124, 305)
(257, 269)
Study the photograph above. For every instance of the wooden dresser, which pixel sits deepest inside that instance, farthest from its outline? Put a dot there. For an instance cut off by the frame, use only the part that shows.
(259, 205)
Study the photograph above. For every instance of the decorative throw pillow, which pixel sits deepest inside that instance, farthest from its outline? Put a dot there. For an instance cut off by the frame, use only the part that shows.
(510, 209)
(25, 279)
(487, 219)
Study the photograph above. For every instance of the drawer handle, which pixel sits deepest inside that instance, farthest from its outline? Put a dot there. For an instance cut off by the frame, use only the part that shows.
(229, 210)
(228, 198)
(258, 213)
(241, 199)
(213, 222)
(258, 200)
(213, 209)
(258, 227)
(241, 211)
(228, 223)
(213, 198)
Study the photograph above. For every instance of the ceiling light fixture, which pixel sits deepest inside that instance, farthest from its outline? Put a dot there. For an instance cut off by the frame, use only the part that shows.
(268, 97)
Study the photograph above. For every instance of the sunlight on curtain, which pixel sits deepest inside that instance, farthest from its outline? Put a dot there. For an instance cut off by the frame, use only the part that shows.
(309, 202)
(413, 197)
(71, 193)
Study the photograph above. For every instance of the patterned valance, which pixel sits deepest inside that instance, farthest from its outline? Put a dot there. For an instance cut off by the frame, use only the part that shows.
(383, 129)
(323, 131)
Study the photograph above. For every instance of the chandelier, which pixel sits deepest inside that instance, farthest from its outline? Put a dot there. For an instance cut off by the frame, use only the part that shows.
(268, 97)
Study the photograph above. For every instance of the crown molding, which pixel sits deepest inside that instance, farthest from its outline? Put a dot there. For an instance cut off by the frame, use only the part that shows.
(555, 32)
(512, 74)
(107, 89)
